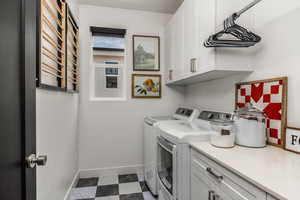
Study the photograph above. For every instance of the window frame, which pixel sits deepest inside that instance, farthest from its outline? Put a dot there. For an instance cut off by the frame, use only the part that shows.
(92, 72)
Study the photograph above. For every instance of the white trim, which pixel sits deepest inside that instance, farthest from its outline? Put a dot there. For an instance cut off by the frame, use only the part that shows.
(98, 65)
(98, 172)
(108, 99)
(74, 182)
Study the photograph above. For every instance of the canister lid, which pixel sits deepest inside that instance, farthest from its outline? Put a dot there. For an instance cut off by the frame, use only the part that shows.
(250, 112)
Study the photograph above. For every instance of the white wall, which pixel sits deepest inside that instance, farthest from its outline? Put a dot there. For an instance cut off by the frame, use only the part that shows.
(111, 132)
(57, 137)
(277, 55)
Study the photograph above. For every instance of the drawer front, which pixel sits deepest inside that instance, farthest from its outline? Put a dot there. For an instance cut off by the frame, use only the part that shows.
(231, 184)
(202, 188)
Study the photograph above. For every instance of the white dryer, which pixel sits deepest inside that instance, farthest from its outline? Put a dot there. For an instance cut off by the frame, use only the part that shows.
(150, 142)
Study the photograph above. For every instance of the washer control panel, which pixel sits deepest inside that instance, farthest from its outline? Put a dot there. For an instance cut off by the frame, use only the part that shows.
(188, 114)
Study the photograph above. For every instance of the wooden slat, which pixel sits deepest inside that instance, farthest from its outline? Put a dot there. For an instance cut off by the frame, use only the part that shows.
(52, 73)
(52, 13)
(72, 41)
(55, 5)
(70, 27)
(72, 31)
(52, 58)
(50, 25)
(72, 22)
(52, 40)
(73, 63)
(75, 73)
(72, 50)
(53, 44)
(71, 54)
(51, 67)
(48, 51)
(73, 36)
(72, 68)
(73, 81)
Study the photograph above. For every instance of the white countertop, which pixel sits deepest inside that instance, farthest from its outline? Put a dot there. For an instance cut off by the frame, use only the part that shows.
(272, 169)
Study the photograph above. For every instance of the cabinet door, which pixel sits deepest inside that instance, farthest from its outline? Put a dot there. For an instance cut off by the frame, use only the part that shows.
(169, 35)
(178, 41)
(191, 33)
(200, 190)
(206, 22)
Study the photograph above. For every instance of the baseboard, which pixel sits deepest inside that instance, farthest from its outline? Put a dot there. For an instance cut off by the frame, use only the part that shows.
(98, 172)
(74, 182)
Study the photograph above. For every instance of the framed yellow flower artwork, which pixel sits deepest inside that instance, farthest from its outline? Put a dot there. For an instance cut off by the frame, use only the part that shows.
(146, 86)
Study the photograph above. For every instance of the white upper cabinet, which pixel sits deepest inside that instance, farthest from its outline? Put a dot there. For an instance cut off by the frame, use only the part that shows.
(175, 44)
(193, 23)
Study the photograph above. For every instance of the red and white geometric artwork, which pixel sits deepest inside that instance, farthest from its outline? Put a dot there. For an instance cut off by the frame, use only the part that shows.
(270, 97)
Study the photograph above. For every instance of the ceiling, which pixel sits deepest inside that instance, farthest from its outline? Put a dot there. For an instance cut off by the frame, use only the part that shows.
(163, 6)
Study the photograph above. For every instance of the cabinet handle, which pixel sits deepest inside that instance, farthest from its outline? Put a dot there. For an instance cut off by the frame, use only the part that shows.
(210, 194)
(170, 74)
(193, 64)
(218, 177)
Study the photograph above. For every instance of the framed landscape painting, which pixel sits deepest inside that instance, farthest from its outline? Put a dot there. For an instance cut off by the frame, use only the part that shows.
(146, 53)
(146, 86)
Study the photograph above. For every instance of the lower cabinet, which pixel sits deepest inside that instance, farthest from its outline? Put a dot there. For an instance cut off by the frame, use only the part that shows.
(211, 181)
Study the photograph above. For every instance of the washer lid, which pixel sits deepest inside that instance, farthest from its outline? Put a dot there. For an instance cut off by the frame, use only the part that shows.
(154, 120)
(183, 131)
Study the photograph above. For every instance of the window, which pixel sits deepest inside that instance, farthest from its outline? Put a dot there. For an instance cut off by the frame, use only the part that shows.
(111, 82)
(108, 43)
(108, 68)
(112, 75)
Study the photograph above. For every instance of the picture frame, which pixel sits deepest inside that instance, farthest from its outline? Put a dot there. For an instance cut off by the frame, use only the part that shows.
(146, 53)
(292, 142)
(146, 86)
(269, 95)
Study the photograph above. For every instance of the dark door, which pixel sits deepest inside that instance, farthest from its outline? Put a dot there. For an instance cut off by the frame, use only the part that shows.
(17, 98)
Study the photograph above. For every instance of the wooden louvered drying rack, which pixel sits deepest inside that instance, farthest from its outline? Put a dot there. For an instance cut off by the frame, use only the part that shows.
(58, 44)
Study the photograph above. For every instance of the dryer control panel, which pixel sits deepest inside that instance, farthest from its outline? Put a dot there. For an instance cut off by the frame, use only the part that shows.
(215, 116)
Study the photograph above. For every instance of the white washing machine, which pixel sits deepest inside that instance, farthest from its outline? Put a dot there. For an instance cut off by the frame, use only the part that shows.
(150, 142)
(173, 153)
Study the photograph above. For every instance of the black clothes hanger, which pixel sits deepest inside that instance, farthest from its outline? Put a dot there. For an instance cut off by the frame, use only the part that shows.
(241, 36)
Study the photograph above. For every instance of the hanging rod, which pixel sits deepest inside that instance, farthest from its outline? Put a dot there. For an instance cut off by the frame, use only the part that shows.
(238, 14)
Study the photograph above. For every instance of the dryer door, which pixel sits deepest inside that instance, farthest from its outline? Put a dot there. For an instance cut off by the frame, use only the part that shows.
(166, 166)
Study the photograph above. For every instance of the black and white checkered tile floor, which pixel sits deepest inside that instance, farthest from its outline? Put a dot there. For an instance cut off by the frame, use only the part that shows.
(118, 187)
